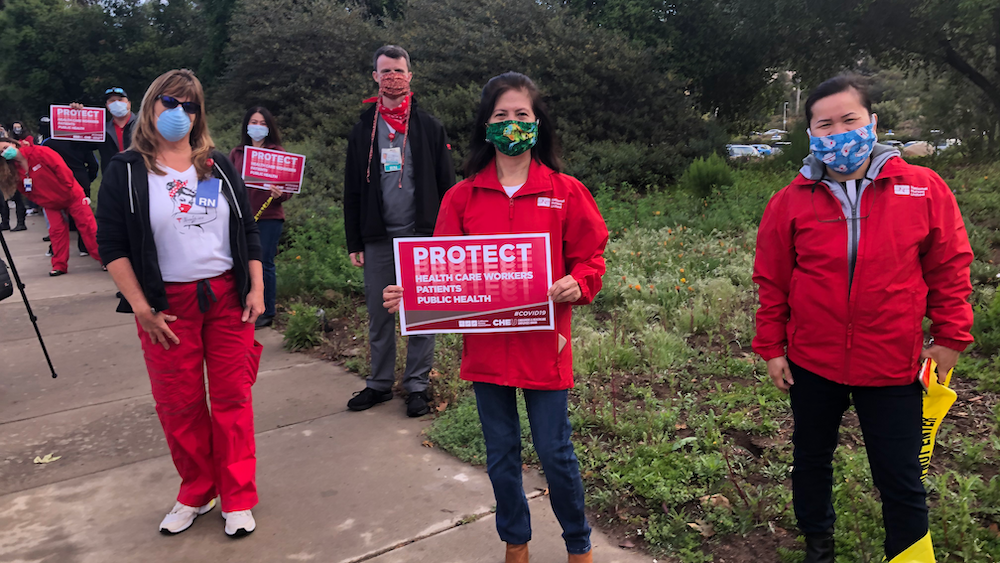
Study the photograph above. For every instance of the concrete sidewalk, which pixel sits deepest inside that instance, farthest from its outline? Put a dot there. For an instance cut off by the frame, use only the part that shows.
(335, 486)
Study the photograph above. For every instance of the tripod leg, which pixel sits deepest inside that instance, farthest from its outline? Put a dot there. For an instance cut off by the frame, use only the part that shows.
(24, 297)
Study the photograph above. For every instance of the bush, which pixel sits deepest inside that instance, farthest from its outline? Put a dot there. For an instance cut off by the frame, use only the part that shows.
(303, 330)
(707, 174)
(314, 256)
(986, 329)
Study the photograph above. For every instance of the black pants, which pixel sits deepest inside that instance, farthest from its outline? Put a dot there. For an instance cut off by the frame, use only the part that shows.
(891, 419)
(19, 209)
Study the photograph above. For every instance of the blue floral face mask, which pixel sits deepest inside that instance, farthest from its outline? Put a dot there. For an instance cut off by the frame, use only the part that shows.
(844, 152)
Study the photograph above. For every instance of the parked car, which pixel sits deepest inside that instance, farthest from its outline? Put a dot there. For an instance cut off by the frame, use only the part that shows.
(918, 148)
(894, 144)
(764, 150)
(742, 151)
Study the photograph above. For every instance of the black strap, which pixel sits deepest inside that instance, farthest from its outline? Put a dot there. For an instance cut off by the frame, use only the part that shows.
(204, 291)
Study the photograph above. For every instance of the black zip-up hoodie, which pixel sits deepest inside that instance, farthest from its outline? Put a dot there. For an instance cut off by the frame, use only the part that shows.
(124, 231)
(433, 175)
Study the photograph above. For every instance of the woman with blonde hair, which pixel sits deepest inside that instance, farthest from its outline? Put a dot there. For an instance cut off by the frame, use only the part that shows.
(177, 235)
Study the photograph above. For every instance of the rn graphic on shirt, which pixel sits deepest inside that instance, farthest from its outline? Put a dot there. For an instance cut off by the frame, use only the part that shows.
(192, 241)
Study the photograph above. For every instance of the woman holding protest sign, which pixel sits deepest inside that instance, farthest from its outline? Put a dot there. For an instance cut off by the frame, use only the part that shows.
(44, 177)
(514, 186)
(178, 235)
(261, 131)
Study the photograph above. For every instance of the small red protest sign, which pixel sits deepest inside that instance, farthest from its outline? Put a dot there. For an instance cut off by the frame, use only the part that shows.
(265, 167)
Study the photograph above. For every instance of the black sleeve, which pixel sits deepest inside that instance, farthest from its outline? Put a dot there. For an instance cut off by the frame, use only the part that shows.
(444, 167)
(243, 200)
(354, 180)
(112, 211)
(90, 161)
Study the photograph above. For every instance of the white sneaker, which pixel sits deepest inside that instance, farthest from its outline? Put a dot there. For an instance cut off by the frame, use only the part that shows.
(182, 516)
(239, 523)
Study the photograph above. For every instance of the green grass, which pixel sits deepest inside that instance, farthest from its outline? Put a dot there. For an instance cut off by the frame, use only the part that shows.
(676, 423)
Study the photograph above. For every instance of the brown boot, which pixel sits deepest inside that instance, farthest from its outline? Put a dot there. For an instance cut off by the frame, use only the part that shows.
(517, 553)
(582, 558)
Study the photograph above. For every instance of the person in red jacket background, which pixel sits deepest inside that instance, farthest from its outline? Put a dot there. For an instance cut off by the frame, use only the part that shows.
(514, 186)
(260, 130)
(45, 178)
(850, 258)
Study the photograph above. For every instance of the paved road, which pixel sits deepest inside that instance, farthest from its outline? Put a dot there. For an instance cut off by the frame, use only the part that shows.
(335, 486)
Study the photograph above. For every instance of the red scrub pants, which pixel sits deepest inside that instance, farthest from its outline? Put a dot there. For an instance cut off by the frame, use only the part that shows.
(213, 452)
(59, 230)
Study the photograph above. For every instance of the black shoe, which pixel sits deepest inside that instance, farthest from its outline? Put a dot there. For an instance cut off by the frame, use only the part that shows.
(263, 321)
(46, 238)
(4, 226)
(55, 273)
(416, 404)
(19, 227)
(819, 548)
(364, 400)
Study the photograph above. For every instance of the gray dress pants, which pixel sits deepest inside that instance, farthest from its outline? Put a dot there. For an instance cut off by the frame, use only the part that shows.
(380, 271)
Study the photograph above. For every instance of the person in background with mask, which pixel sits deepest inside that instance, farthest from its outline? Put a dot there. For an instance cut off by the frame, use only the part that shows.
(79, 156)
(178, 234)
(398, 170)
(850, 257)
(17, 131)
(513, 186)
(22, 206)
(118, 129)
(46, 179)
(261, 131)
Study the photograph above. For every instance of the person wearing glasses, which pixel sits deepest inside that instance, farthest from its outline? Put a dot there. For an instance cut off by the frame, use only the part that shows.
(850, 258)
(177, 233)
(261, 130)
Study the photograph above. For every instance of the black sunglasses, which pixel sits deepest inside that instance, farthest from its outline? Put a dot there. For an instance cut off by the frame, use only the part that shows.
(170, 103)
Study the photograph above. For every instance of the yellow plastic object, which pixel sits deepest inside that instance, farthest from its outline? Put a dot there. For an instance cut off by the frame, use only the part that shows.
(938, 399)
(920, 552)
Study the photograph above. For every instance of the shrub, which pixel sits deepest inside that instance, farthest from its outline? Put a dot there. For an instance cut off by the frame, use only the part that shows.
(706, 174)
(986, 328)
(314, 258)
(303, 330)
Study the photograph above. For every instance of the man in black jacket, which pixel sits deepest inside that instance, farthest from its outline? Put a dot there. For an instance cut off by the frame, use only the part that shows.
(398, 169)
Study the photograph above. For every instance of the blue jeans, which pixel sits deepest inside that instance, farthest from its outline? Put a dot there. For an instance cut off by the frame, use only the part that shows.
(550, 432)
(270, 232)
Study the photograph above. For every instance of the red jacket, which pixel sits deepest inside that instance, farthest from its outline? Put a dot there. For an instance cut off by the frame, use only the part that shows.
(912, 260)
(551, 202)
(258, 197)
(52, 183)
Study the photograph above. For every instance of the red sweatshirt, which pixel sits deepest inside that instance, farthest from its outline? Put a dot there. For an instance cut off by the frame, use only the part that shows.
(548, 202)
(52, 183)
(912, 260)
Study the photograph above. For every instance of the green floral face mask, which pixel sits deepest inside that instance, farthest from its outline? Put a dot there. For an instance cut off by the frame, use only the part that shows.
(512, 137)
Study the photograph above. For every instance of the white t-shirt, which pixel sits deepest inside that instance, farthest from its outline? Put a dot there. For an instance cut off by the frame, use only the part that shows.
(511, 190)
(192, 241)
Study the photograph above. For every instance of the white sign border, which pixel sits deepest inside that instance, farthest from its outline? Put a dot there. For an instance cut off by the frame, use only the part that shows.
(494, 330)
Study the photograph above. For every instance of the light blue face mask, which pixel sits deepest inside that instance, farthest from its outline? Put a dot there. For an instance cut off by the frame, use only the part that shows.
(173, 124)
(9, 153)
(844, 152)
(257, 132)
(118, 109)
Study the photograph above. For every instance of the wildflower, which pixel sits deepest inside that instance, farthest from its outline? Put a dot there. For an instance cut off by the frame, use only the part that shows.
(682, 270)
(684, 280)
(720, 243)
(670, 231)
(682, 244)
(677, 288)
(690, 288)
(632, 253)
(624, 278)
(298, 258)
(656, 213)
(651, 288)
(681, 255)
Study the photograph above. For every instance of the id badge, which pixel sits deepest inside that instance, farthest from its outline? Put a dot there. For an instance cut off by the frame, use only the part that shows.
(208, 192)
(27, 184)
(392, 159)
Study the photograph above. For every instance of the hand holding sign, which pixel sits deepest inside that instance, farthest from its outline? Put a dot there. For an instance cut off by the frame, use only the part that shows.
(392, 297)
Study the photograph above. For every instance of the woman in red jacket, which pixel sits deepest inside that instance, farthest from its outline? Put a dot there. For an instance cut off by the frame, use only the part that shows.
(42, 175)
(513, 186)
(260, 130)
(850, 258)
